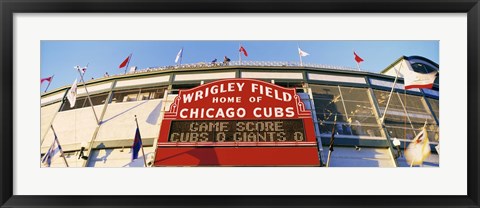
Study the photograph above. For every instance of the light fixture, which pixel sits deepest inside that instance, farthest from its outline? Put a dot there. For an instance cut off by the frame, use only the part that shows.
(83, 147)
(396, 143)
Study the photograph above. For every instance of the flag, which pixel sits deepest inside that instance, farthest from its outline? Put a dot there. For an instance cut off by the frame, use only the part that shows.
(82, 70)
(357, 58)
(179, 55)
(72, 94)
(54, 149)
(418, 80)
(419, 149)
(125, 62)
(48, 79)
(302, 53)
(137, 144)
(242, 50)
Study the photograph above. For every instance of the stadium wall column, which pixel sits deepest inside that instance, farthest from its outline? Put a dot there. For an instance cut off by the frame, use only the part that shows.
(107, 101)
(237, 73)
(170, 81)
(313, 111)
(373, 99)
(162, 114)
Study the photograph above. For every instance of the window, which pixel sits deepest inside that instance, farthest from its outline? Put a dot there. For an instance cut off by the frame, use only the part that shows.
(185, 86)
(435, 106)
(82, 102)
(404, 125)
(422, 68)
(125, 96)
(96, 100)
(176, 88)
(151, 94)
(289, 84)
(355, 112)
(138, 94)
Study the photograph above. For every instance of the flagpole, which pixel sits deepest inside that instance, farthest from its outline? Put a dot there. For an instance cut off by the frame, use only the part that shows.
(130, 58)
(390, 96)
(61, 150)
(328, 158)
(143, 152)
(330, 149)
(88, 94)
(181, 58)
(240, 54)
(406, 112)
(299, 55)
(49, 83)
(405, 123)
(358, 65)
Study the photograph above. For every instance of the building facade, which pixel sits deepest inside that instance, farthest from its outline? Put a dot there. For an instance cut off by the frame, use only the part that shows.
(356, 98)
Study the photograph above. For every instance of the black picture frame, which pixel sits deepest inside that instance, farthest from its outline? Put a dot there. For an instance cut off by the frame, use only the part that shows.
(10, 7)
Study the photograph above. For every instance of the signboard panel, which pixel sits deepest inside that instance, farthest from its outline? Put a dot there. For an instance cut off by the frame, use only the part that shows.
(242, 113)
(237, 131)
(236, 156)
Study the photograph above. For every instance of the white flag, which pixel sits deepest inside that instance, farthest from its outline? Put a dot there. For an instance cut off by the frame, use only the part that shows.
(179, 55)
(418, 80)
(72, 94)
(302, 53)
(84, 69)
(54, 149)
(419, 149)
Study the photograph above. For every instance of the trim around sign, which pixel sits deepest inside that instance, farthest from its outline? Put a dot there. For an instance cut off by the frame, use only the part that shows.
(259, 119)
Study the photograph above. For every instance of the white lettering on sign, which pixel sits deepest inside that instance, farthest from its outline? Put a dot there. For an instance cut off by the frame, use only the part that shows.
(273, 112)
(265, 112)
(235, 99)
(212, 113)
(238, 131)
(213, 90)
(236, 87)
(227, 100)
(270, 92)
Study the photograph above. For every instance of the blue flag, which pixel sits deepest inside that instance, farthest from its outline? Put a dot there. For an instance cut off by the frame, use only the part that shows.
(54, 149)
(137, 144)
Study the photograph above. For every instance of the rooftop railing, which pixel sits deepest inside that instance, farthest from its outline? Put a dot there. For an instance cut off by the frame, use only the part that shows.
(200, 65)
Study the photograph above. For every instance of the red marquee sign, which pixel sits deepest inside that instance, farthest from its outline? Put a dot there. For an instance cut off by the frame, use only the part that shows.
(237, 122)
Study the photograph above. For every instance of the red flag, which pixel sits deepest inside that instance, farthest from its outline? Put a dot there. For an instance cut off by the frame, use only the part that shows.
(125, 62)
(242, 49)
(357, 58)
(48, 79)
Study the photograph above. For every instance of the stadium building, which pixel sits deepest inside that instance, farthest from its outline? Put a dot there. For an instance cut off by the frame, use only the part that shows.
(321, 99)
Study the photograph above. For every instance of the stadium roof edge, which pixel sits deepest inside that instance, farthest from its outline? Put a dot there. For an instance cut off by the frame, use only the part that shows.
(408, 58)
(222, 68)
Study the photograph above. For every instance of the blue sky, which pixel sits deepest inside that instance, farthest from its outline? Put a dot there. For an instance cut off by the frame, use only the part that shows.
(59, 57)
